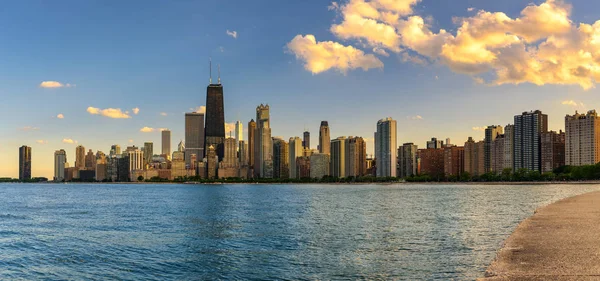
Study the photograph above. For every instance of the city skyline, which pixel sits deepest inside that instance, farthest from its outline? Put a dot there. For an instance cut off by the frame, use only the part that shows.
(426, 100)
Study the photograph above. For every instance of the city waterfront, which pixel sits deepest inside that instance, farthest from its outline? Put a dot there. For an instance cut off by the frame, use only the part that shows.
(228, 232)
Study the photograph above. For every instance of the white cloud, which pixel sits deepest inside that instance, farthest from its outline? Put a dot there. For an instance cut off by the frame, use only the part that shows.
(163, 114)
(416, 117)
(135, 111)
(322, 56)
(29, 128)
(60, 116)
(199, 109)
(115, 113)
(229, 127)
(55, 84)
(41, 142)
(147, 130)
(232, 33)
(69, 141)
(380, 52)
(221, 49)
(470, 9)
(569, 102)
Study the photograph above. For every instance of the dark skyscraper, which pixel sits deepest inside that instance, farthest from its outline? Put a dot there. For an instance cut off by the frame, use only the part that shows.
(214, 128)
(528, 128)
(251, 132)
(24, 163)
(324, 138)
(306, 140)
(194, 136)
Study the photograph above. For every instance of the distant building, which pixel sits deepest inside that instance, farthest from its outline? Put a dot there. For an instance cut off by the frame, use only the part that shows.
(211, 163)
(582, 139)
(166, 143)
(553, 150)
(90, 161)
(115, 149)
(80, 157)
(385, 148)
(295, 150)
(101, 166)
(356, 157)
(319, 165)
(60, 161)
(24, 163)
(229, 166)
(491, 133)
(509, 146)
(214, 130)
(528, 127)
(474, 157)
(306, 140)
(148, 153)
(281, 160)
(303, 167)
(263, 144)
(324, 138)
(135, 160)
(194, 136)
(435, 143)
(337, 163)
(407, 160)
(251, 148)
(239, 131)
(432, 162)
(497, 154)
(454, 164)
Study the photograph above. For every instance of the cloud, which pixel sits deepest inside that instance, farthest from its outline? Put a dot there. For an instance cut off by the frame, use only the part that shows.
(199, 109)
(322, 56)
(41, 142)
(380, 52)
(55, 84)
(130, 141)
(135, 111)
(229, 127)
(29, 128)
(470, 9)
(69, 141)
(60, 116)
(480, 129)
(232, 33)
(416, 117)
(115, 113)
(569, 102)
(147, 130)
(163, 114)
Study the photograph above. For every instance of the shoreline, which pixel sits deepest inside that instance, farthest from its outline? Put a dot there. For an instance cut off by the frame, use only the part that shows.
(326, 183)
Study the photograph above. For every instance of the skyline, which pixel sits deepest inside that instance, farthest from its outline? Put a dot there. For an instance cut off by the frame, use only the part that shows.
(426, 100)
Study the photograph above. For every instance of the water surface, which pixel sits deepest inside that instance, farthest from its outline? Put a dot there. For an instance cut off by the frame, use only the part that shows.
(232, 232)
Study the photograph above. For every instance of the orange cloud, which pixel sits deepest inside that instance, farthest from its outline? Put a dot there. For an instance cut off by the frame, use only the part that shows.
(115, 113)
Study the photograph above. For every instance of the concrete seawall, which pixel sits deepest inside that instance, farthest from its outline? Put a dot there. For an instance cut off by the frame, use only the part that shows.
(559, 242)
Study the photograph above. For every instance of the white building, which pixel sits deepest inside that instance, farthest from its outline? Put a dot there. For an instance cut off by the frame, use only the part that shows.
(295, 151)
(385, 147)
(60, 160)
(582, 139)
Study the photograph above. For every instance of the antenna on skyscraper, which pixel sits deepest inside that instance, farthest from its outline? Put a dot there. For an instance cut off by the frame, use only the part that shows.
(210, 71)
(219, 67)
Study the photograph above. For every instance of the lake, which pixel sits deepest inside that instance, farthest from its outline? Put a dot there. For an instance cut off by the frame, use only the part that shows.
(232, 232)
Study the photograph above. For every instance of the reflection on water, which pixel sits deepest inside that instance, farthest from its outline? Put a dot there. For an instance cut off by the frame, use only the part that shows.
(161, 232)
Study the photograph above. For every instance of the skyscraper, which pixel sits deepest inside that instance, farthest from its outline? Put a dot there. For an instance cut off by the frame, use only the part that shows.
(263, 144)
(239, 132)
(407, 160)
(166, 143)
(509, 143)
(115, 149)
(251, 133)
(553, 150)
(337, 164)
(474, 157)
(60, 159)
(24, 163)
(214, 127)
(194, 136)
(435, 143)
(80, 157)
(491, 133)
(306, 140)
(319, 165)
(324, 138)
(90, 160)
(582, 140)
(356, 157)
(385, 147)
(527, 149)
(136, 160)
(454, 160)
(148, 152)
(295, 149)
(281, 160)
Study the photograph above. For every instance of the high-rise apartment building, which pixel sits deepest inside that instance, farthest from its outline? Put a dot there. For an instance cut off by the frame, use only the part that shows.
(194, 136)
(337, 164)
(497, 154)
(491, 133)
(80, 157)
(281, 160)
(454, 164)
(509, 147)
(229, 166)
(214, 127)
(474, 157)
(303, 167)
(90, 161)
(101, 166)
(528, 127)
(407, 160)
(553, 150)
(356, 157)
(435, 143)
(251, 139)
(166, 143)
(135, 160)
(324, 138)
(296, 150)
(60, 161)
(263, 144)
(319, 165)
(306, 140)
(239, 131)
(148, 152)
(115, 149)
(385, 147)
(582, 143)
(24, 163)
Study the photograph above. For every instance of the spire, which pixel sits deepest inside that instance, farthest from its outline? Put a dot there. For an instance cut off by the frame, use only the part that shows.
(219, 67)
(210, 71)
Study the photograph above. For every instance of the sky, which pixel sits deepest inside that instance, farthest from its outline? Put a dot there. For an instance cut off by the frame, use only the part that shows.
(97, 73)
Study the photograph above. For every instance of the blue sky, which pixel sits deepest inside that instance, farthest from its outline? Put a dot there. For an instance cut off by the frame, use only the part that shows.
(154, 56)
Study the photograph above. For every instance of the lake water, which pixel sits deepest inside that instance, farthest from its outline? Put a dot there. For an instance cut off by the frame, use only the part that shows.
(232, 232)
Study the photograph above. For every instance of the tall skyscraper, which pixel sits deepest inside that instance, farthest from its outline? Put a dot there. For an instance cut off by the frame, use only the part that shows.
(337, 164)
(324, 138)
(509, 147)
(194, 136)
(214, 127)
(24, 163)
(385, 147)
(356, 157)
(553, 150)
(80, 157)
(263, 144)
(148, 152)
(528, 127)
(491, 133)
(582, 143)
(306, 140)
(251, 133)
(474, 157)
(239, 131)
(136, 160)
(90, 160)
(281, 160)
(60, 161)
(166, 143)
(296, 150)
(407, 160)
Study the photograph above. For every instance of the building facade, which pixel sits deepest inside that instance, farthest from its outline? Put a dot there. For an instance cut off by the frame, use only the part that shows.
(356, 157)
(24, 163)
(474, 157)
(263, 144)
(295, 150)
(527, 149)
(251, 148)
(454, 164)
(214, 127)
(60, 163)
(324, 138)
(435, 143)
(385, 148)
(148, 152)
(491, 133)
(553, 150)
(337, 164)
(306, 140)
(497, 155)
(194, 136)
(509, 147)
(319, 165)
(407, 160)
(281, 159)
(582, 139)
(166, 143)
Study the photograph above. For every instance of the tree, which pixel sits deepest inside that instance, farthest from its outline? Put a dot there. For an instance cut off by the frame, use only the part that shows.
(140, 178)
